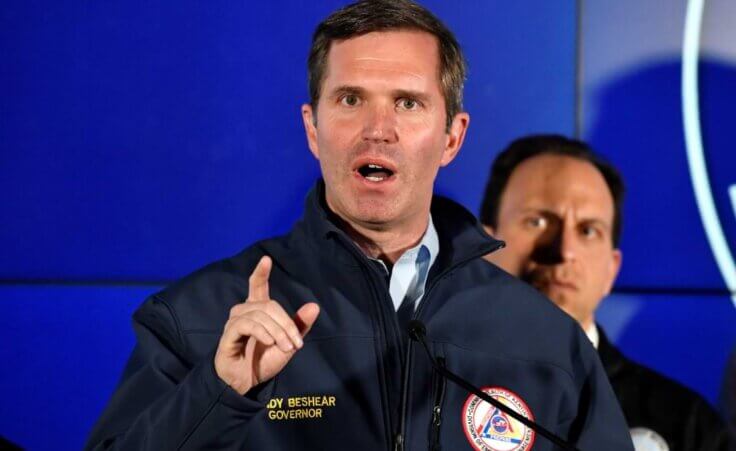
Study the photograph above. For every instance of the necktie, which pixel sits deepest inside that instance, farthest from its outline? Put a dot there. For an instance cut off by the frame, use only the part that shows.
(406, 310)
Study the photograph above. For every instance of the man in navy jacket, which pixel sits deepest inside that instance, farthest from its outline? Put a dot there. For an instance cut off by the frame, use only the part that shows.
(300, 342)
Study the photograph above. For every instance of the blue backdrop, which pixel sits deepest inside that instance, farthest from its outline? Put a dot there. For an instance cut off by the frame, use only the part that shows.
(141, 140)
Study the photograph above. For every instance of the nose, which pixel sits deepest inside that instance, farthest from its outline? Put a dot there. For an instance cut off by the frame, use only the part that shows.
(557, 245)
(380, 124)
(569, 241)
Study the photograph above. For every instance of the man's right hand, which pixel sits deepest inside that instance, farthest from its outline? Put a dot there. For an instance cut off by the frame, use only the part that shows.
(259, 337)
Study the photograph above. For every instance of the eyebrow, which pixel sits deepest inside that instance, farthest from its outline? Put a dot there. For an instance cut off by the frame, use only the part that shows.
(345, 90)
(416, 95)
(396, 93)
(606, 225)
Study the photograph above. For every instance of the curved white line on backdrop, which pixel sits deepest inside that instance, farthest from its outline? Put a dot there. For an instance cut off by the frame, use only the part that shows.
(694, 145)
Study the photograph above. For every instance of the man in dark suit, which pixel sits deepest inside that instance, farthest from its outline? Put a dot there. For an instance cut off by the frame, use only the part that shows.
(557, 206)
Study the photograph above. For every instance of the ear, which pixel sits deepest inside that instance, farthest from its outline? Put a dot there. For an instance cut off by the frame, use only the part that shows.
(310, 119)
(455, 137)
(613, 268)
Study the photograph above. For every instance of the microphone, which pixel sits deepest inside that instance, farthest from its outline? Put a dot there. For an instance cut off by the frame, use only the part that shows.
(418, 332)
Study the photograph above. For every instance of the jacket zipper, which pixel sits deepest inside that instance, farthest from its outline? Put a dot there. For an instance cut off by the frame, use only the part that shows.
(401, 435)
(400, 438)
(438, 397)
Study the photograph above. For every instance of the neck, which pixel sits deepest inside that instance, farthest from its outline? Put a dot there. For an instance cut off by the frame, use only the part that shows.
(386, 243)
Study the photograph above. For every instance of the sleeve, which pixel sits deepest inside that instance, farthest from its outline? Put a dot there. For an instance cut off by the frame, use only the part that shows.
(600, 424)
(165, 401)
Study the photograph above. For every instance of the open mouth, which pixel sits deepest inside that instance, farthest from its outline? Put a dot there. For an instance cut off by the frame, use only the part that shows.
(375, 172)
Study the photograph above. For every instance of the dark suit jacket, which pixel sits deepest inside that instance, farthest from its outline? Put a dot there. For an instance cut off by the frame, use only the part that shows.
(682, 417)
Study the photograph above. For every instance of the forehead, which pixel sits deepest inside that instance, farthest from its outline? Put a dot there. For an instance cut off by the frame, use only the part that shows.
(557, 183)
(408, 57)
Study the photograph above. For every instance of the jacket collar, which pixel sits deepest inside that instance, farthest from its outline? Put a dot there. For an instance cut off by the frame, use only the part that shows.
(461, 236)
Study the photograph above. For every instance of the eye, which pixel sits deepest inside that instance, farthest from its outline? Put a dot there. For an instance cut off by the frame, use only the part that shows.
(350, 100)
(408, 104)
(536, 222)
(589, 231)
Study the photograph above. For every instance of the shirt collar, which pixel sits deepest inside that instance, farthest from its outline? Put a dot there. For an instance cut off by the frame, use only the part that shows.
(592, 333)
(430, 240)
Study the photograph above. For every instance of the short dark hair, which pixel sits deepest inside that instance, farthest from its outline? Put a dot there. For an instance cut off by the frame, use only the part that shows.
(530, 146)
(367, 16)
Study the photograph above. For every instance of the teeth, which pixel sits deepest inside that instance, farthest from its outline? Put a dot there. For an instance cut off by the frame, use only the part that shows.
(374, 166)
(374, 179)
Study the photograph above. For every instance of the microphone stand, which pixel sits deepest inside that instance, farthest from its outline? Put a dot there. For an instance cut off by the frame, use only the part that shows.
(417, 332)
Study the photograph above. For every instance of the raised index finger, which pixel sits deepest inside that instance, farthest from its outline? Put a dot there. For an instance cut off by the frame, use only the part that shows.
(258, 281)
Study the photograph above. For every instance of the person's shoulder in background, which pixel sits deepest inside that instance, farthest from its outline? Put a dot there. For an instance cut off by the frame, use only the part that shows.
(728, 397)
(653, 402)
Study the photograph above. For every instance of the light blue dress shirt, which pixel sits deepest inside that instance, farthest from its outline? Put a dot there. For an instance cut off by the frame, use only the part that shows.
(409, 274)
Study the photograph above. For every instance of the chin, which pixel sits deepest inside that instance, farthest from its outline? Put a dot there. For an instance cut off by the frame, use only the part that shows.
(373, 217)
(374, 212)
(558, 298)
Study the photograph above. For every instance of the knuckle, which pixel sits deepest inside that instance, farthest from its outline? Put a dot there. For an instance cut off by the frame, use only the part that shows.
(273, 306)
(232, 323)
(260, 328)
(245, 324)
(281, 335)
(259, 315)
(235, 310)
(293, 330)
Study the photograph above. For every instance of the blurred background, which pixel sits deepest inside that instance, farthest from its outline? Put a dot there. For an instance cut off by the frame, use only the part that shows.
(140, 140)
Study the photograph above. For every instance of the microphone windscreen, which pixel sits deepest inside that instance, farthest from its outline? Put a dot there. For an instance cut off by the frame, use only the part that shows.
(416, 330)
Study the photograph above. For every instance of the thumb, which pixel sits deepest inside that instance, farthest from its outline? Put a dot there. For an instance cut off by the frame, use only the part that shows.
(305, 317)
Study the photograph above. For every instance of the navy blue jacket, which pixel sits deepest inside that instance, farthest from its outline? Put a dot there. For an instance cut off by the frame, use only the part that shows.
(357, 383)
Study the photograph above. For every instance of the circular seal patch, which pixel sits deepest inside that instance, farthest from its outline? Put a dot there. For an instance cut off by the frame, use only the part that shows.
(490, 429)
(647, 440)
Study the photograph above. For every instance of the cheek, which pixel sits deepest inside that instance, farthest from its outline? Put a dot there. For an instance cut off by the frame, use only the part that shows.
(518, 251)
(428, 149)
(523, 243)
(599, 273)
(338, 130)
(332, 145)
(423, 127)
